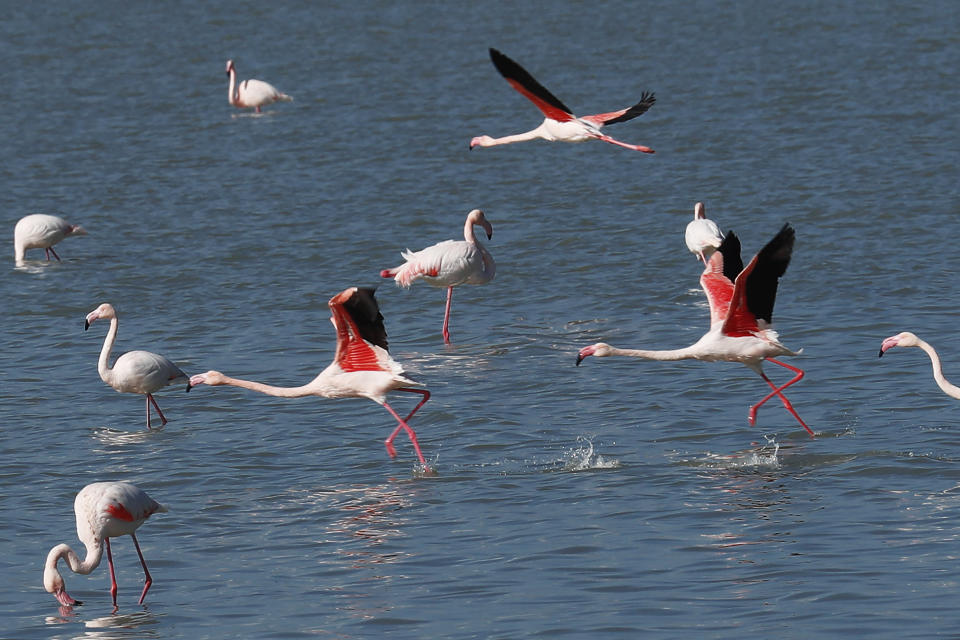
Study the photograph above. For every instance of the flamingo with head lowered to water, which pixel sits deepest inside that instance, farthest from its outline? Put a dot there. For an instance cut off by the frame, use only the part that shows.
(41, 231)
(741, 312)
(559, 125)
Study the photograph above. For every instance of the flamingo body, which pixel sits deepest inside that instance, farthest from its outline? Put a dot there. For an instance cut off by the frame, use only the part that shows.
(141, 372)
(252, 93)
(104, 510)
(449, 263)
(907, 339)
(702, 235)
(361, 368)
(560, 124)
(741, 314)
(41, 231)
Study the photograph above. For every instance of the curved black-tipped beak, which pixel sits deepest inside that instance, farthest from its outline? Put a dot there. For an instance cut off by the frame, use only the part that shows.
(189, 386)
(880, 355)
(579, 359)
(86, 325)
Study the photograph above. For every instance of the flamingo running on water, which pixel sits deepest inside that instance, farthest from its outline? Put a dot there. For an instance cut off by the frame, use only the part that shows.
(104, 510)
(134, 371)
(361, 368)
(42, 231)
(559, 125)
(907, 339)
(449, 263)
(702, 235)
(741, 311)
(252, 93)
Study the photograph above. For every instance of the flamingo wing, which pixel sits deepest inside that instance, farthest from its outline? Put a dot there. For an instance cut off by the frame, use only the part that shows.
(719, 275)
(522, 81)
(360, 331)
(755, 289)
(646, 101)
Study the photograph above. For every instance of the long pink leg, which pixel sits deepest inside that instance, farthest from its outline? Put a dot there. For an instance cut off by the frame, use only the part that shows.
(635, 147)
(146, 572)
(54, 254)
(113, 577)
(777, 391)
(410, 433)
(446, 316)
(163, 418)
(389, 441)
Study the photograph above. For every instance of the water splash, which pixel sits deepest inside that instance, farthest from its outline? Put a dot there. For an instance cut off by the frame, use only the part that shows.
(583, 457)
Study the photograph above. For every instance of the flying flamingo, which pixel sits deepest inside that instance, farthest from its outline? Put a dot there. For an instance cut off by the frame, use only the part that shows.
(741, 310)
(702, 235)
(361, 368)
(559, 125)
(104, 510)
(449, 263)
(252, 93)
(907, 339)
(42, 231)
(134, 371)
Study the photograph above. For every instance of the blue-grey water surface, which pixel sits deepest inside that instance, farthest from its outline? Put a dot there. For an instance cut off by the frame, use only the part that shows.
(620, 499)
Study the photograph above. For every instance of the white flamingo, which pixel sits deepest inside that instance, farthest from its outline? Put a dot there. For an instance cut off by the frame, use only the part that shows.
(449, 263)
(252, 93)
(134, 371)
(559, 125)
(741, 312)
(907, 339)
(42, 231)
(361, 368)
(702, 235)
(104, 510)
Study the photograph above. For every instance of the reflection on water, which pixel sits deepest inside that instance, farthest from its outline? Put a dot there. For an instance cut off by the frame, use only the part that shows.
(118, 626)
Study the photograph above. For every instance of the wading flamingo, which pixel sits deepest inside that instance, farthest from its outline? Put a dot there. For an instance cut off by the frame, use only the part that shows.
(449, 263)
(559, 125)
(104, 510)
(907, 339)
(252, 93)
(361, 368)
(741, 311)
(134, 371)
(41, 231)
(702, 235)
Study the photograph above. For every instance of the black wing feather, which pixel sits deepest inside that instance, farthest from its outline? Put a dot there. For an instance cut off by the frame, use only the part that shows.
(513, 71)
(646, 101)
(730, 250)
(772, 262)
(365, 312)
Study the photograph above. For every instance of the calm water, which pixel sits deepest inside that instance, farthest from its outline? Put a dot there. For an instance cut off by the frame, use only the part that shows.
(618, 499)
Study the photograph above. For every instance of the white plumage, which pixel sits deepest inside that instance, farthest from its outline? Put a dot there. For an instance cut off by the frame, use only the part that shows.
(252, 93)
(702, 235)
(41, 231)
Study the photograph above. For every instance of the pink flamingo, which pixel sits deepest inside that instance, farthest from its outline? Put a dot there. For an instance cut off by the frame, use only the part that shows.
(252, 93)
(42, 231)
(560, 125)
(702, 235)
(361, 368)
(449, 263)
(907, 339)
(741, 311)
(134, 371)
(104, 510)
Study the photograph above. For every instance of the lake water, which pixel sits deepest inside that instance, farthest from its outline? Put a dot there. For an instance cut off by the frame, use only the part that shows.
(620, 499)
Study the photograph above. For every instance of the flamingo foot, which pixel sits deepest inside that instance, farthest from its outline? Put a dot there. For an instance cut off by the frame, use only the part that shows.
(391, 450)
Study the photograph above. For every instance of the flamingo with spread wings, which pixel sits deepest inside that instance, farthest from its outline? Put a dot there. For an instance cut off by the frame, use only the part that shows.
(361, 368)
(741, 313)
(559, 125)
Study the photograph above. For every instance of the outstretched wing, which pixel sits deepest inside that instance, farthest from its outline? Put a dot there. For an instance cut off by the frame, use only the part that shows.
(360, 330)
(522, 81)
(718, 277)
(755, 289)
(646, 101)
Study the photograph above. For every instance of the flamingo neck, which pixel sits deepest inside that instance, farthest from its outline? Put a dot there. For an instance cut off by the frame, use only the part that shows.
(280, 392)
(533, 134)
(103, 365)
(686, 353)
(85, 566)
(950, 389)
(231, 95)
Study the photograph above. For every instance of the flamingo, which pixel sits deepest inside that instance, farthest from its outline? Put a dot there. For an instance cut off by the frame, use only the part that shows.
(449, 263)
(361, 368)
(559, 125)
(252, 93)
(741, 310)
(702, 235)
(907, 339)
(42, 231)
(134, 371)
(104, 510)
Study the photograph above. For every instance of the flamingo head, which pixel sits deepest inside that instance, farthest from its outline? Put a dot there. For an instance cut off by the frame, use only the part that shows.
(600, 349)
(481, 141)
(105, 310)
(230, 67)
(76, 230)
(905, 339)
(699, 212)
(212, 378)
(53, 581)
(476, 217)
